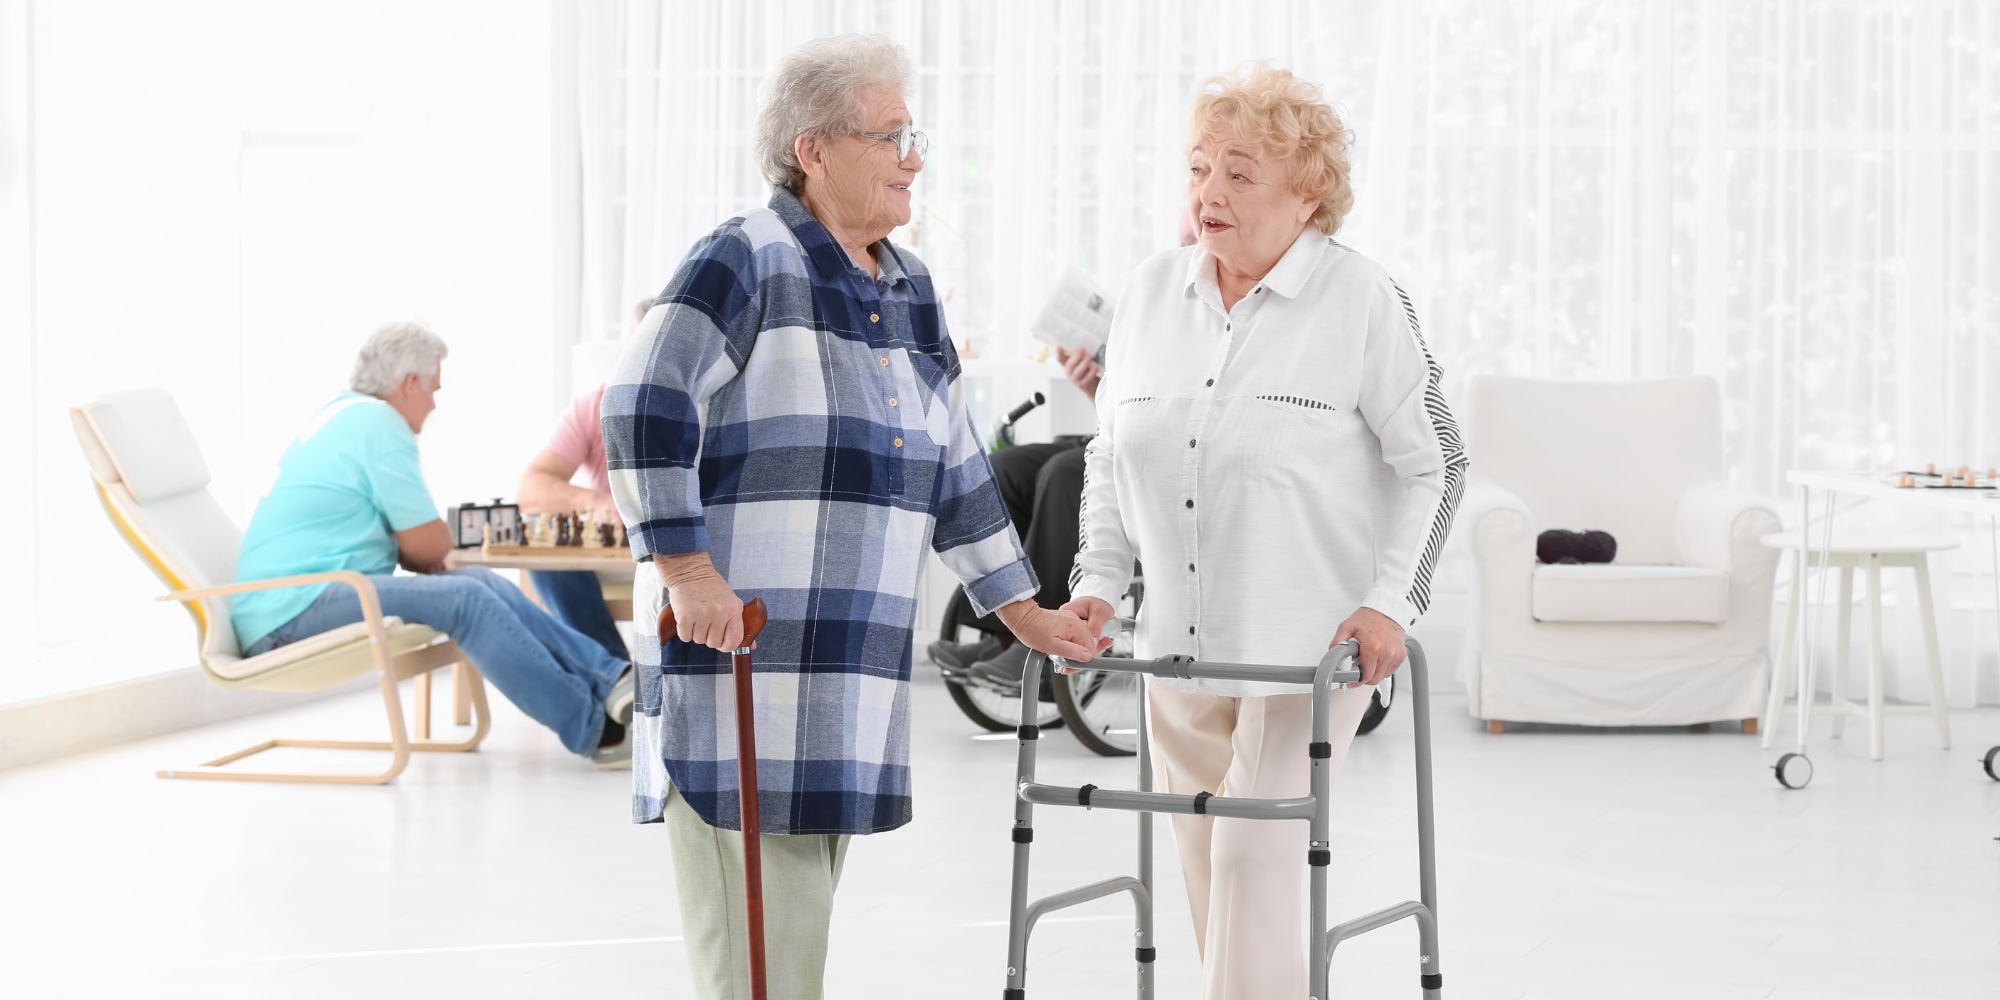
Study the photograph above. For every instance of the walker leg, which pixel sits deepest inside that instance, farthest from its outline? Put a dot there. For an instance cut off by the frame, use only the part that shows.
(1319, 852)
(1431, 976)
(1145, 951)
(1024, 832)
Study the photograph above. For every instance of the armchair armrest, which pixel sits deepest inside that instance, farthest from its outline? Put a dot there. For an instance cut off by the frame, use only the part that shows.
(1713, 523)
(1503, 527)
(364, 589)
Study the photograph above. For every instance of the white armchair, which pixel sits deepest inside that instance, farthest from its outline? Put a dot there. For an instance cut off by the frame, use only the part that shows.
(1674, 631)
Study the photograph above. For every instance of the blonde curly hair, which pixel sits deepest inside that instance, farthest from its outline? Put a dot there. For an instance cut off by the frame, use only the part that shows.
(1264, 106)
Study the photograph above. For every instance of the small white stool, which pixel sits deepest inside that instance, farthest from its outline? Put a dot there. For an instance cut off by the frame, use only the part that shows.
(1848, 555)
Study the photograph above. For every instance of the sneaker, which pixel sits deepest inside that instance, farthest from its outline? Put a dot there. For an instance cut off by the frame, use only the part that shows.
(961, 655)
(614, 747)
(618, 704)
(1002, 671)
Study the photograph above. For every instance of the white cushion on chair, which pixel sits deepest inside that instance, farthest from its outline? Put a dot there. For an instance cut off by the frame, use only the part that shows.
(142, 437)
(1613, 456)
(1615, 592)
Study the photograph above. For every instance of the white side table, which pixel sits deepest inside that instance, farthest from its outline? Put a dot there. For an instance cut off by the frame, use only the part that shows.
(1872, 555)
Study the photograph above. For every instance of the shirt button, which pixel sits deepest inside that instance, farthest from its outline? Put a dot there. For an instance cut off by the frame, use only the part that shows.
(1190, 567)
(892, 400)
(1190, 504)
(885, 362)
(1211, 382)
(1227, 327)
(874, 318)
(899, 442)
(1190, 442)
(1190, 629)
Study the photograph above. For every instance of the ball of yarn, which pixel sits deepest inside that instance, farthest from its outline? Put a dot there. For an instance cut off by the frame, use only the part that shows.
(1557, 545)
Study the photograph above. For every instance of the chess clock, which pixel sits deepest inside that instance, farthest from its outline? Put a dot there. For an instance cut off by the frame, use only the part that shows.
(473, 523)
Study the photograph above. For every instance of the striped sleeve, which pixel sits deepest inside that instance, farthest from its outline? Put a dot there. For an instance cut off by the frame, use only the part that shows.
(1402, 399)
(695, 339)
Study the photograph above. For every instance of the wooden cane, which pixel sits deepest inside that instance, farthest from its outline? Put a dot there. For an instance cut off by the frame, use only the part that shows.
(754, 617)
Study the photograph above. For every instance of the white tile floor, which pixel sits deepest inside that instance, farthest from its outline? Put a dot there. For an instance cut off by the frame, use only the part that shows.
(1574, 864)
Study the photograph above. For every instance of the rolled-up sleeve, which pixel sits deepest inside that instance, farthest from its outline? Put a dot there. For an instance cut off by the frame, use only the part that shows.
(973, 534)
(694, 341)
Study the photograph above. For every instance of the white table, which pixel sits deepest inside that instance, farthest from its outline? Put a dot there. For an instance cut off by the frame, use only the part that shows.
(1794, 770)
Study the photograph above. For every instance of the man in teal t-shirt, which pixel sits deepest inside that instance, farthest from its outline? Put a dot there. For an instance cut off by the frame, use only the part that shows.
(350, 495)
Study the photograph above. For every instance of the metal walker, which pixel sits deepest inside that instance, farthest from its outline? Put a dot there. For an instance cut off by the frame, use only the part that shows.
(1335, 669)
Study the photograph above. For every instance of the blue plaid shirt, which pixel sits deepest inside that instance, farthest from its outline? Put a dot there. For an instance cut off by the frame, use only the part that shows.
(801, 422)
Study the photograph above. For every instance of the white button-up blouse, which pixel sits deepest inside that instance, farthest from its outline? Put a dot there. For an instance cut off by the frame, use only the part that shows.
(1273, 466)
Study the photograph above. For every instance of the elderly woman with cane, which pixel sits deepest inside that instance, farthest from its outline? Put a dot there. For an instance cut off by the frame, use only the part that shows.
(1273, 442)
(789, 424)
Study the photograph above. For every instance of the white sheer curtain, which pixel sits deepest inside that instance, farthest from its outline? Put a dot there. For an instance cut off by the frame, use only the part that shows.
(1797, 197)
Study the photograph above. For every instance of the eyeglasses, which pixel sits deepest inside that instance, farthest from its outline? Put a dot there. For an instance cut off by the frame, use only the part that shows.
(906, 139)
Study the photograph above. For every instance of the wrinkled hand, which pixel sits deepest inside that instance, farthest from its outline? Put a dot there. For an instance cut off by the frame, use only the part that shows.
(1079, 367)
(1057, 633)
(1094, 613)
(706, 609)
(1381, 642)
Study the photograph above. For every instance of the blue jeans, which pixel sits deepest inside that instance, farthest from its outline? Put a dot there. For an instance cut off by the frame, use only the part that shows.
(554, 673)
(576, 598)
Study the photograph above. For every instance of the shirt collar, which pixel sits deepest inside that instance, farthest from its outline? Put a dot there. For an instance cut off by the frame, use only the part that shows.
(823, 250)
(1287, 277)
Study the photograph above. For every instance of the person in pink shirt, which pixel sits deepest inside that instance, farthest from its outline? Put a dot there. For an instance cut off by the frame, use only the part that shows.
(569, 475)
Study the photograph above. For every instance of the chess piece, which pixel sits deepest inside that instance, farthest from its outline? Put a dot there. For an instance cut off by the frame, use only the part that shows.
(1964, 471)
(1906, 481)
(1930, 468)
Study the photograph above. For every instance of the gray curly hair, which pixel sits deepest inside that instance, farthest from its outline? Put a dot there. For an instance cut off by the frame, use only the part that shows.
(817, 90)
(393, 351)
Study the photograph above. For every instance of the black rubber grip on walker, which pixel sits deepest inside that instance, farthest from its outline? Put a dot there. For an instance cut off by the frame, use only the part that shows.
(1024, 835)
(1144, 954)
(1433, 980)
(1028, 732)
(1013, 995)
(1319, 750)
(1319, 858)
(1201, 803)
(1083, 795)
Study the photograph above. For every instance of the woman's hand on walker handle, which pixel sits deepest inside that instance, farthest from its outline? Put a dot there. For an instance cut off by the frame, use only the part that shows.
(1057, 633)
(1095, 614)
(1380, 641)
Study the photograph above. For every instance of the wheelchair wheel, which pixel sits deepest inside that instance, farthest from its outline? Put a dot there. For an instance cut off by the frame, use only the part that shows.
(1102, 709)
(989, 708)
(1378, 706)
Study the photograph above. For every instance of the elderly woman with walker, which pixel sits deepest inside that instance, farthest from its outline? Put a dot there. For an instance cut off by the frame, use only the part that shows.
(1275, 445)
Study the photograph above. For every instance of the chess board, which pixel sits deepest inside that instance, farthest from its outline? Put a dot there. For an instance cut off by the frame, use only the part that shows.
(615, 553)
(1963, 478)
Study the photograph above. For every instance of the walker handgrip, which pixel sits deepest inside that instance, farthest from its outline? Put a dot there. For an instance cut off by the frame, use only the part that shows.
(755, 615)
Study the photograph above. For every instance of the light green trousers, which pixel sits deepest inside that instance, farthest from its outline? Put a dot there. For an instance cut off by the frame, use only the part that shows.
(800, 874)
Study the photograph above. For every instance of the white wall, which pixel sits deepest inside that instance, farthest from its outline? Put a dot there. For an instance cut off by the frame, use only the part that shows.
(228, 196)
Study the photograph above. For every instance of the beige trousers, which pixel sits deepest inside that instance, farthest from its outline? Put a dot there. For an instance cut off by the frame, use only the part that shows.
(800, 874)
(1246, 879)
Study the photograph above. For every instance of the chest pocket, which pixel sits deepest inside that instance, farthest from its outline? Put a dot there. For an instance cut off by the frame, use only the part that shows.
(1274, 441)
(1143, 438)
(922, 379)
